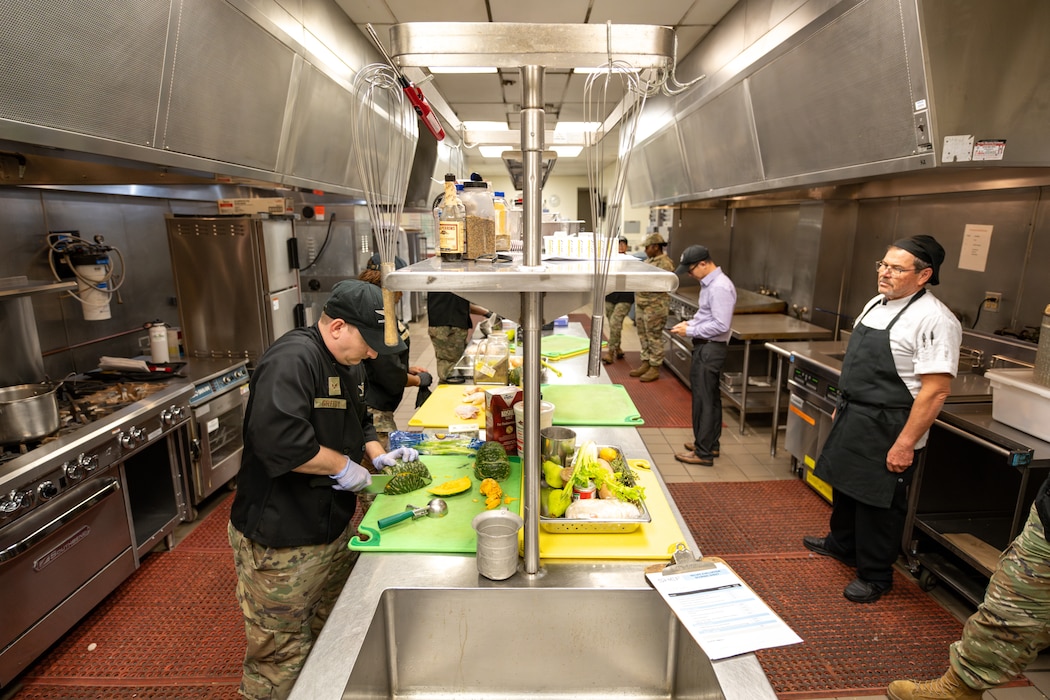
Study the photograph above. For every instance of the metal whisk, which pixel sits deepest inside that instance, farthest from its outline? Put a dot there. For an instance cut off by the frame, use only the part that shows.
(614, 83)
(384, 133)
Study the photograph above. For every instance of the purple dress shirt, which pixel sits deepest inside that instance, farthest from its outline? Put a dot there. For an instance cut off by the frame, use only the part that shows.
(717, 301)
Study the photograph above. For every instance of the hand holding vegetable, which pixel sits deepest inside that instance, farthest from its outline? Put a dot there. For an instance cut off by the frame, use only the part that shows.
(405, 454)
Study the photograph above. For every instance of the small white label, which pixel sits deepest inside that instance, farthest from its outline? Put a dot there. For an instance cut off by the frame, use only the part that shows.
(213, 425)
(463, 428)
(275, 302)
(977, 238)
(989, 149)
(920, 105)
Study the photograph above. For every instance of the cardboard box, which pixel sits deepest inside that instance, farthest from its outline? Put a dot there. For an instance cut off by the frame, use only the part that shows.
(256, 205)
(499, 416)
(1019, 402)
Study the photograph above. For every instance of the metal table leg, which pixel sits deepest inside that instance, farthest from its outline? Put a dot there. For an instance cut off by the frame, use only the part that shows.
(776, 406)
(743, 386)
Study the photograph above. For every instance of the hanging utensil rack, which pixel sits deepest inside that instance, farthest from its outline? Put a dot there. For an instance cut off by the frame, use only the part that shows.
(525, 286)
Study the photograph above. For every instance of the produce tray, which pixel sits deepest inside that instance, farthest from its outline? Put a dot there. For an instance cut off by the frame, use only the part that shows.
(450, 534)
(595, 525)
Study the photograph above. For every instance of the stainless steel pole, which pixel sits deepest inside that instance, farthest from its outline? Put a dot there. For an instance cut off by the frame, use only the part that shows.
(532, 303)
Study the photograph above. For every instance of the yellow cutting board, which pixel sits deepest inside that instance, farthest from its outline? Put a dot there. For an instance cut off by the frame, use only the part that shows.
(439, 411)
(653, 540)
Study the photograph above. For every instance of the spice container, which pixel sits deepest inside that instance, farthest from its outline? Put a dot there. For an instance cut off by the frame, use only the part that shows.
(499, 205)
(451, 216)
(481, 221)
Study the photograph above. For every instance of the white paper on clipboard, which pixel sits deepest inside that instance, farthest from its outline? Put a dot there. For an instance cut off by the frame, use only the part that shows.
(721, 612)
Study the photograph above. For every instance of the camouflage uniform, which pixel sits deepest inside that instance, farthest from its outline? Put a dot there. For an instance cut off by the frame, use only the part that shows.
(384, 424)
(650, 315)
(1010, 627)
(306, 581)
(449, 344)
(616, 312)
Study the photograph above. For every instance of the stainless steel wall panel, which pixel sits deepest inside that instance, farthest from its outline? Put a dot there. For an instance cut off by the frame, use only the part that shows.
(990, 74)
(88, 66)
(841, 97)
(663, 157)
(639, 182)
(318, 148)
(229, 87)
(719, 142)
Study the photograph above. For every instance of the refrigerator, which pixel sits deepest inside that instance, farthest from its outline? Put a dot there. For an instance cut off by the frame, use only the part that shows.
(236, 281)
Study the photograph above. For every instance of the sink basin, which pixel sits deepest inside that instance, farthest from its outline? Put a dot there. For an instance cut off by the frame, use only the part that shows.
(528, 642)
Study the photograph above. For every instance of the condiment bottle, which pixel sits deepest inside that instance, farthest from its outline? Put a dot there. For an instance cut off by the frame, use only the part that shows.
(452, 223)
(499, 207)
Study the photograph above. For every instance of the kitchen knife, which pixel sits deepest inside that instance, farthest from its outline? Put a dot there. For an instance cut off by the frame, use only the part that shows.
(379, 482)
(414, 94)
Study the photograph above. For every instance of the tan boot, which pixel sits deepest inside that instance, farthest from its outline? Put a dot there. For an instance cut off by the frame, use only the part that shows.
(651, 375)
(610, 355)
(947, 687)
(639, 370)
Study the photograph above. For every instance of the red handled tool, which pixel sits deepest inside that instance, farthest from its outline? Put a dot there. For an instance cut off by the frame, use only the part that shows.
(413, 93)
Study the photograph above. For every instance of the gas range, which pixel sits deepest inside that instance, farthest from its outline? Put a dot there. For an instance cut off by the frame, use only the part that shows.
(87, 446)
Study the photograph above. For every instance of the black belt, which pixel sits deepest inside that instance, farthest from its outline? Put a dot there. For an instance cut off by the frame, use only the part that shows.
(701, 341)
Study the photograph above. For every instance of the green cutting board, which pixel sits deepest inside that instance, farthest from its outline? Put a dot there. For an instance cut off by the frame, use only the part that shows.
(558, 346)
(591, 404)
(451, 533)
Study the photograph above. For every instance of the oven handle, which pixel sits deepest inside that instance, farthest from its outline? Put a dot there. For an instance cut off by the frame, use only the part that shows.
(58, 523)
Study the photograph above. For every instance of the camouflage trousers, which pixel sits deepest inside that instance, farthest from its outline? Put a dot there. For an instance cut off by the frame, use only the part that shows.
(616, 313)
(1012, 624)
(650, 319)
(286, 594)
(449, 344)
(384, 424)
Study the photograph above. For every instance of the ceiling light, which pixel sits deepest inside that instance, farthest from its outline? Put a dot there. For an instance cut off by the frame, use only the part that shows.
(493, 151)
(486, 126)
(576, 127)
(567, 151)
(462, 69)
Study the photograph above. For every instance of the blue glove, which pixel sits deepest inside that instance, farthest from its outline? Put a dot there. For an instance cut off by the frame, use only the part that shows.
(354, 477)
(425, 379)
(405, 454)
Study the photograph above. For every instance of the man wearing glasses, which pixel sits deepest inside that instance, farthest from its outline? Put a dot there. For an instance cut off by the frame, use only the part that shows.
(896, 375)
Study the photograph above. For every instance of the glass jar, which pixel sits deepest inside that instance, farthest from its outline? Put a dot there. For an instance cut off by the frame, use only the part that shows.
(492, 360)
(481, 221)
(451, 216)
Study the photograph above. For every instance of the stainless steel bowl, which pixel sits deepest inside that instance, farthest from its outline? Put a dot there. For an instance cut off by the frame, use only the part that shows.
(28, 412)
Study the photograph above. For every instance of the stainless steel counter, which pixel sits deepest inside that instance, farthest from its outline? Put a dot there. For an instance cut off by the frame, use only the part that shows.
(340, 644)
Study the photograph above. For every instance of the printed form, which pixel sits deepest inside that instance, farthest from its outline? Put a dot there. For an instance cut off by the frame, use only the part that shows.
(721, 612)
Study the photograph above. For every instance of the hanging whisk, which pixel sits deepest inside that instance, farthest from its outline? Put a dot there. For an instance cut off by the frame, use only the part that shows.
(384, 131)
(615, 83)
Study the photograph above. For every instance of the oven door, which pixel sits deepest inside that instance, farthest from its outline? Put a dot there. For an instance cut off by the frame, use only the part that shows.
(57, 563)
(217, 426)
(678, 356)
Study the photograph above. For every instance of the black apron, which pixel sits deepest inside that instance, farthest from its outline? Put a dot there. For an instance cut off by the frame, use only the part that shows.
(872, 411)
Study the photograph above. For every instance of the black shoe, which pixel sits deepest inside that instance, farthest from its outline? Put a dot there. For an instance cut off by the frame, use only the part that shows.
(816, 544)
(860, 591)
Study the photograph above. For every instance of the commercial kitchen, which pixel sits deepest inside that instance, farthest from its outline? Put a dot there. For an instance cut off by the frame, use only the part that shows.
(183, 182)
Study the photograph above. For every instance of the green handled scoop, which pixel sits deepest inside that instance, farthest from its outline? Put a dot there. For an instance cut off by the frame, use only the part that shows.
(436, 508)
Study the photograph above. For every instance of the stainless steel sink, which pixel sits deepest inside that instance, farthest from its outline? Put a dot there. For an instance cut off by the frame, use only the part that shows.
(528, 642)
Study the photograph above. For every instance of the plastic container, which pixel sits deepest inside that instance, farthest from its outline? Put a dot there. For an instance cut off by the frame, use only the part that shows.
(499, 206)
(1019, 402)
(546, 421)
(158, 343)
(481, 221)
(451, 217)
(497, 553)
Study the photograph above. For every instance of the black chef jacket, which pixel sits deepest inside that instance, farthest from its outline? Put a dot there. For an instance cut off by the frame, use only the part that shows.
(387, 375)
(448, 309)
(301, 398)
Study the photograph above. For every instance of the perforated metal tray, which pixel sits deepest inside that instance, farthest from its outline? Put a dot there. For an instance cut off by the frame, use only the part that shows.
(563, 526)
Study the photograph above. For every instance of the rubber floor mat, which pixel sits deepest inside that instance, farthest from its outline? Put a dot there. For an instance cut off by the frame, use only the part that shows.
(848, 649)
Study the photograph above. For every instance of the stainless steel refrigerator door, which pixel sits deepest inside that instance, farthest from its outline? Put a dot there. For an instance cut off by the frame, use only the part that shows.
(273, 236)
(282, 311)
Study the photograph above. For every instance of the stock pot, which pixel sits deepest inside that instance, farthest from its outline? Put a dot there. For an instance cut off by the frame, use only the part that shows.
(28, 412)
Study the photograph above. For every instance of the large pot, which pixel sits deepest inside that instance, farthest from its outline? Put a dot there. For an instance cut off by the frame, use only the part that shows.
(28, 412)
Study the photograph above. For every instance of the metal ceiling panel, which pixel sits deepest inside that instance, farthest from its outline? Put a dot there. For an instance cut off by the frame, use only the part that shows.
(669, 12)
(550, 10)
(468, 88)
(434, 11)
(710, 12)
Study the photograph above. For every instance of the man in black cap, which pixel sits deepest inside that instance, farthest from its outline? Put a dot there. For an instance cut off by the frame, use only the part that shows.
(617, 306)
(709, 329)
(896, 375)
(306, 435)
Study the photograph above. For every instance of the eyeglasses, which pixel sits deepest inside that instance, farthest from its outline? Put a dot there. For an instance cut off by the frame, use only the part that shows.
(895, 270)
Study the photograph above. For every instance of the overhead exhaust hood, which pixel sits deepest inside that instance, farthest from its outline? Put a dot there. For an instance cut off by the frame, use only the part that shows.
(514, 162)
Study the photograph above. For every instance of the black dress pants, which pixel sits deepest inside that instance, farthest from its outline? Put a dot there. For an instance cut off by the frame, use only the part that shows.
(704, 376)
(869, 534)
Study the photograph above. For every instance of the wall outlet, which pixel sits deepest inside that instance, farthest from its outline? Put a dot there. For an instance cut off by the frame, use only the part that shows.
(991, 300)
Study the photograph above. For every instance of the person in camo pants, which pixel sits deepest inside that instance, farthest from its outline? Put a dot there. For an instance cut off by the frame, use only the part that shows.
(651, 309)
(1010, 627)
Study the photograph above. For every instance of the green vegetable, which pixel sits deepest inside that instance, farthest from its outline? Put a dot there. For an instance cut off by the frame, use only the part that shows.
(491, 462)
(408, 476)
(447, 446)
(621, 483)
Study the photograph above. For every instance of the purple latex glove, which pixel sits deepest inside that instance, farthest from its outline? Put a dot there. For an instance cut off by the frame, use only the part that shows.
(353, 477)
(405, 454)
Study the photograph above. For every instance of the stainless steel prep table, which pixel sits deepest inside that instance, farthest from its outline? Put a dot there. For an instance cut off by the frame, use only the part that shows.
(765, 327)
(327, 669)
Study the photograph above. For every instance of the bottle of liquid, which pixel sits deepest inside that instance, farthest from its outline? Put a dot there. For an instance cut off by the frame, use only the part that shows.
(452, 223)
(499, 206)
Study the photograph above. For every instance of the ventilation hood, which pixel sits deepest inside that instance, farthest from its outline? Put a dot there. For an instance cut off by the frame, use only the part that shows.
(858, 90)
(514, 162)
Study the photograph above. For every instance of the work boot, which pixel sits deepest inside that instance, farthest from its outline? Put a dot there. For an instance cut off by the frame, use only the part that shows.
(640, 370)
(947, 687)
(651, 374)
(619, 353)
(611, 354)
